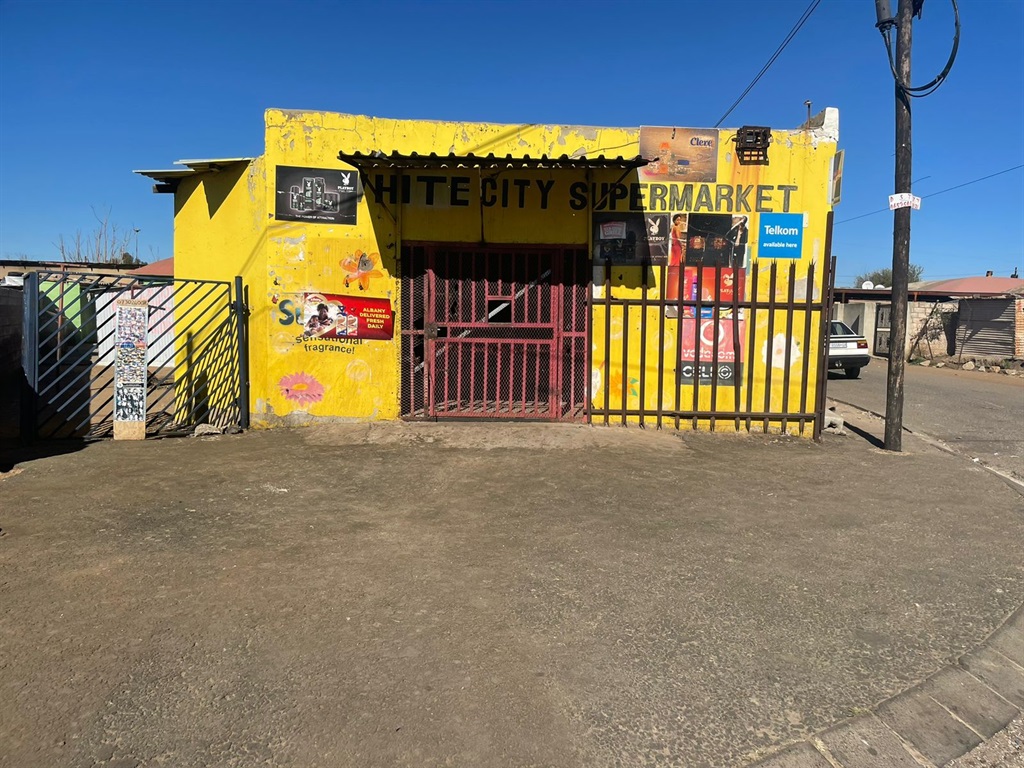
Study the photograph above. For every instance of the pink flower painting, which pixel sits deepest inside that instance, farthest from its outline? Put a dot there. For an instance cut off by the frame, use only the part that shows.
(301, 388)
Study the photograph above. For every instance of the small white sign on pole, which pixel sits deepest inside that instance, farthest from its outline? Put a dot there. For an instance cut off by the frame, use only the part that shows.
(904, 200)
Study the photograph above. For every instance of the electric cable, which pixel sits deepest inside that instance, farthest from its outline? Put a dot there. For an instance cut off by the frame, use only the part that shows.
(922, 90)
(792, 33)
(940, 192)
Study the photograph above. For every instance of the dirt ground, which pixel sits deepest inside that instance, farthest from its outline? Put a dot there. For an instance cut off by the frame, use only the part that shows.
(486, 595)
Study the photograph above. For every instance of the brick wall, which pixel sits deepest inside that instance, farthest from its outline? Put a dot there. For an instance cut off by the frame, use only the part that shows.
(10, 360)
(929, 328)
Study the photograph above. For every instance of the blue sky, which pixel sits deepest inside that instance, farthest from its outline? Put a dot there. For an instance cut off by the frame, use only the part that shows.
(90, 91)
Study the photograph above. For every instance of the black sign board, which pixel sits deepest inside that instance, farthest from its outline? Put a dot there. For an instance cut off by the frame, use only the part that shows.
(316, 194)
(631, 238)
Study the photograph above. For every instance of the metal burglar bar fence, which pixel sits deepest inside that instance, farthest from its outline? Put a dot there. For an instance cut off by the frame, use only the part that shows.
(494, 332)
(196, 353)
(709, 341)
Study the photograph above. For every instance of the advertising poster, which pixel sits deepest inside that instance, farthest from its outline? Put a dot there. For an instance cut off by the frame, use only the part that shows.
(697, 357)
(697, 243)
(316, 194)
(731, 284)
(780, 235)
(686, 155)
(631, 238)
(329, 316)
(717, 239)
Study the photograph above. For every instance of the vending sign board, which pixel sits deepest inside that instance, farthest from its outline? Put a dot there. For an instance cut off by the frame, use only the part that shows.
(780, 235)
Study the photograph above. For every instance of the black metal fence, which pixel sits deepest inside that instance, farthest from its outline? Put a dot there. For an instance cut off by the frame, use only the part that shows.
(764, 367)
(196, 356)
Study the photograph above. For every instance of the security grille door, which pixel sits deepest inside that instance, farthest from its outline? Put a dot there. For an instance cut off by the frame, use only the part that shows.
(883, 324)
(494, 333)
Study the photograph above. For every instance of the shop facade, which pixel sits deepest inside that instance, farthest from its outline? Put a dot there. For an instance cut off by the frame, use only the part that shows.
(401, 269)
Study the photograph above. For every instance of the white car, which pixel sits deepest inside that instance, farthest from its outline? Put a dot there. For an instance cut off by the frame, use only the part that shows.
(847, 350)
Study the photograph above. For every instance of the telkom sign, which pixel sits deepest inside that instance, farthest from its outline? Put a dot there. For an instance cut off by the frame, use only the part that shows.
(780, 235)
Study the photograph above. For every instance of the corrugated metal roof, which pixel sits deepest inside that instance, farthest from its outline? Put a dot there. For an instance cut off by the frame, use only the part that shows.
(161, 268)
(933, 289)
(379, 159)
(214, 164)
(169, 174)
(192, 167)
(969, 286)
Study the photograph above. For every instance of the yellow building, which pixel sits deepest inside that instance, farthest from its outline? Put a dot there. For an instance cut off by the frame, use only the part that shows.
(419, 269)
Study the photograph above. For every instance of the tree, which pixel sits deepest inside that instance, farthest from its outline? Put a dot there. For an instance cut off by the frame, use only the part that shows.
(107, 244)
(884, 276)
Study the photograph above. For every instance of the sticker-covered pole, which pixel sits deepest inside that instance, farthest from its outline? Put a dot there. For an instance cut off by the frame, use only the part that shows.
(130, 369)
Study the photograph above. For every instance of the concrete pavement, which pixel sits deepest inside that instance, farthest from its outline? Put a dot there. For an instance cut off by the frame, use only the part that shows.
(504, 595)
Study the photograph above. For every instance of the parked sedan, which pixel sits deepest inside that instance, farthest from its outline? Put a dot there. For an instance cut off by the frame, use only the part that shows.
(847, 350)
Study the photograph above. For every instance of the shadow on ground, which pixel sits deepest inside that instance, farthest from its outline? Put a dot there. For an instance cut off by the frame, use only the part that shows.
(14, 452)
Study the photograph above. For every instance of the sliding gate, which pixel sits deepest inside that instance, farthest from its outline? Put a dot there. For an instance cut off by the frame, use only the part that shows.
(494, 332)
(195, 356)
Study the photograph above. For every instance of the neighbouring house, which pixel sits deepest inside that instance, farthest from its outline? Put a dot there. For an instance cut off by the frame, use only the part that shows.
(967, 316)
(161, 268)
(19, 267)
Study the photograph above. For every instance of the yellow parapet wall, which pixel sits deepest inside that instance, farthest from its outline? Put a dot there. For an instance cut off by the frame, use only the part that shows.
(318, 240)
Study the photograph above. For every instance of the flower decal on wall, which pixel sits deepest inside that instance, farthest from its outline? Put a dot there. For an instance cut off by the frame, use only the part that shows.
(301, 388)
(778, 351)
(360, 267)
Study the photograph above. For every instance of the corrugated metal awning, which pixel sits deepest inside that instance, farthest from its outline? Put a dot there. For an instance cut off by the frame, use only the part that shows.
(168, 179)
(169, 174)
(379, 159)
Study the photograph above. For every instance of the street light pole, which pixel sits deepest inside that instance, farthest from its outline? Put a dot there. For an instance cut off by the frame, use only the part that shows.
(137, 244)
(900, 236)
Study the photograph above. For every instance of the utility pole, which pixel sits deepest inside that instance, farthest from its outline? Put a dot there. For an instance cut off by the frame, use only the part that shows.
(900, 66)
(900, 236)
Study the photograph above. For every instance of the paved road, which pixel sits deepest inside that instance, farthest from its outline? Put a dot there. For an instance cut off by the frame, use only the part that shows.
(978, 414)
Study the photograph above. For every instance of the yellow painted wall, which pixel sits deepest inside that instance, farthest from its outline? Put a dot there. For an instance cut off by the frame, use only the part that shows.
(219, 232)
(361, 381)
(225, 225)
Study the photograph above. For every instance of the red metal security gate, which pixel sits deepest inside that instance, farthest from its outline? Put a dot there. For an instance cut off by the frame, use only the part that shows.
(494, 332)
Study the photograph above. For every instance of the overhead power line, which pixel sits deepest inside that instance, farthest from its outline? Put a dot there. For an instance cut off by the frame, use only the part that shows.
(792, 33)
(940, 192)
(886, 26)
